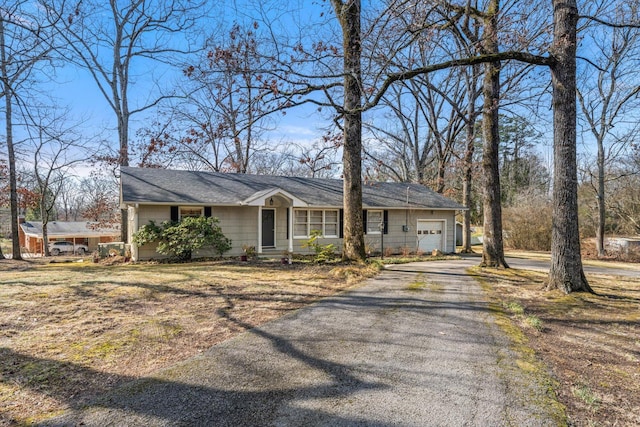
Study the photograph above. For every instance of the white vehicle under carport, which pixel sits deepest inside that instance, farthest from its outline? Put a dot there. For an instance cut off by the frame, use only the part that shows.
(64, 247)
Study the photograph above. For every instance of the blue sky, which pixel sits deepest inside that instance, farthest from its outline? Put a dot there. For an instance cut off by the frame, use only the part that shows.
(74, 87)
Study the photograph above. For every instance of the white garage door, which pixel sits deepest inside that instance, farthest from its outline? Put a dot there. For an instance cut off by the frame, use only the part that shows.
(430, 235)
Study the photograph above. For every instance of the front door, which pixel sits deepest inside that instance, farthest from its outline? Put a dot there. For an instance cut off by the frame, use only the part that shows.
(268, 228)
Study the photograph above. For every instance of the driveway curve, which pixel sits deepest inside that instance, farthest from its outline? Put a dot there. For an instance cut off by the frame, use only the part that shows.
(415, 346)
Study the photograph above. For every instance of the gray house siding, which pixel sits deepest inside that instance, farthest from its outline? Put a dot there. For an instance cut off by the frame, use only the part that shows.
(414, 216)
(240, 224)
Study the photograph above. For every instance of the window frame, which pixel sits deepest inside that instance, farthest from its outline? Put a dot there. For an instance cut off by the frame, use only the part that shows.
(191, 208)
(376, 229)
(308, 224)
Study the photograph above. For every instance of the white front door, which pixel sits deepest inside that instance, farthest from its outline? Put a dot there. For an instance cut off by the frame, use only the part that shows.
(430, 235)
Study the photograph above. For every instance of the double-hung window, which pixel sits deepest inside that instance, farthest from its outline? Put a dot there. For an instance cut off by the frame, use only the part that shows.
(374, 219)
(324, 220)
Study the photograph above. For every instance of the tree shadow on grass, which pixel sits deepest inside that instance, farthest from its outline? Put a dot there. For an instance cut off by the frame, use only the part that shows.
(200, 390)
(196, 395)
(202, 396)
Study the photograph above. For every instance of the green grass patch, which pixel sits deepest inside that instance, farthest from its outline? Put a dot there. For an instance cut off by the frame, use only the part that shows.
(514, 307)
(534, 322)
(584, 393)
(405, 260)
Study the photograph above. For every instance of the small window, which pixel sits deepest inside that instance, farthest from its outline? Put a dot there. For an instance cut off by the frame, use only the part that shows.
(195, 212)
(374, 219)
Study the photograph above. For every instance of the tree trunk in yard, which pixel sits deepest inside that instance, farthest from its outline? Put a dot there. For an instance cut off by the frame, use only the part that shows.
(8, 113)
(566, 272)
(600, 201)
(348, 14)
(468, 158)
(493, 250)
(466, 189)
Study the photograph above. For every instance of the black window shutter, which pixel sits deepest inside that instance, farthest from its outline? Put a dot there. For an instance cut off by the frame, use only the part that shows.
(385, 220)
(174, 213)
(288, 224)
(207, 211)
(364, 221)
(341, 223)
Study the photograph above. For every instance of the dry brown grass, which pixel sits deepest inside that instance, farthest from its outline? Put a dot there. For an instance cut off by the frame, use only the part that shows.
(71, 331)
(590, 342)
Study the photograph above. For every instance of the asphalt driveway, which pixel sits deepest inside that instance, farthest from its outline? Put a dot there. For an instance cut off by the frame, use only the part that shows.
(415, 346)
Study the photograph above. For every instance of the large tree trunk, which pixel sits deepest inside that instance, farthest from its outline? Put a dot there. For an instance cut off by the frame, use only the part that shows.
(566, 271)
(348, 14)
(470, 132)
(600, 201)
(493, 250)
(13, 182)
(44, 213)
(466, 182)
(123, 158)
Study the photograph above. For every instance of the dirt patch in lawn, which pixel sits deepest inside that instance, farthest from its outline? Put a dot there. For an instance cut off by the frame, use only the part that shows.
(69, 332)
(591, 343)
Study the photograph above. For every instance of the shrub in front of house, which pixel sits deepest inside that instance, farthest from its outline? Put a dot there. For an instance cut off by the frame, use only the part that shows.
(323, 253)
(180, 239)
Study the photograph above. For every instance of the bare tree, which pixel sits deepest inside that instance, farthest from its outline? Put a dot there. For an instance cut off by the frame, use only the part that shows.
(56, 149)
(24, 45)
(4, 191)
(101, 201)
(566, 272)
(70, 200)
(113, 39)
(348, 14)
(420, 134)
(232, 84)
(608, 101)
(319, 159)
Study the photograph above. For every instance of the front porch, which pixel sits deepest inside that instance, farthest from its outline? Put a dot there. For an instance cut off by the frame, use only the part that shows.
(270, 204)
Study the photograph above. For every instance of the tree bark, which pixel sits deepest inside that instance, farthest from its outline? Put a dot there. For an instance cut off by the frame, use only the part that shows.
(600, 199)
(471, 76)
(13, 182)
(348, 14)
(466, 182)
(493, 250)
(566, 272)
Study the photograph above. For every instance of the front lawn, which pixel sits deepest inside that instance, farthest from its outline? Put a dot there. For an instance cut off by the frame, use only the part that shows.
(69, 332)
(591, 343)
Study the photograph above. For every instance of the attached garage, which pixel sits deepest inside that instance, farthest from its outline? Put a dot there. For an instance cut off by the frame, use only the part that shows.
(431, 235)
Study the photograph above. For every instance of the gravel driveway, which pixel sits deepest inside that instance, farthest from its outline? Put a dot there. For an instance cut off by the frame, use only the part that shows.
(415, 346)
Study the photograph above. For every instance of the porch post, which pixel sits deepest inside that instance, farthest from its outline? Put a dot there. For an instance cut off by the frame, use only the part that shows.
(290, 225)
(136, 225)
(290, 228)
(259, 229)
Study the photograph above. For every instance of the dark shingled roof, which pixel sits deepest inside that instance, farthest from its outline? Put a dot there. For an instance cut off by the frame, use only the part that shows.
(70, 229)
(163, 186)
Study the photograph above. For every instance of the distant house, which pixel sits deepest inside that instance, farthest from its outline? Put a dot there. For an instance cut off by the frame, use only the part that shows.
(83, 232)
(276, 213)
